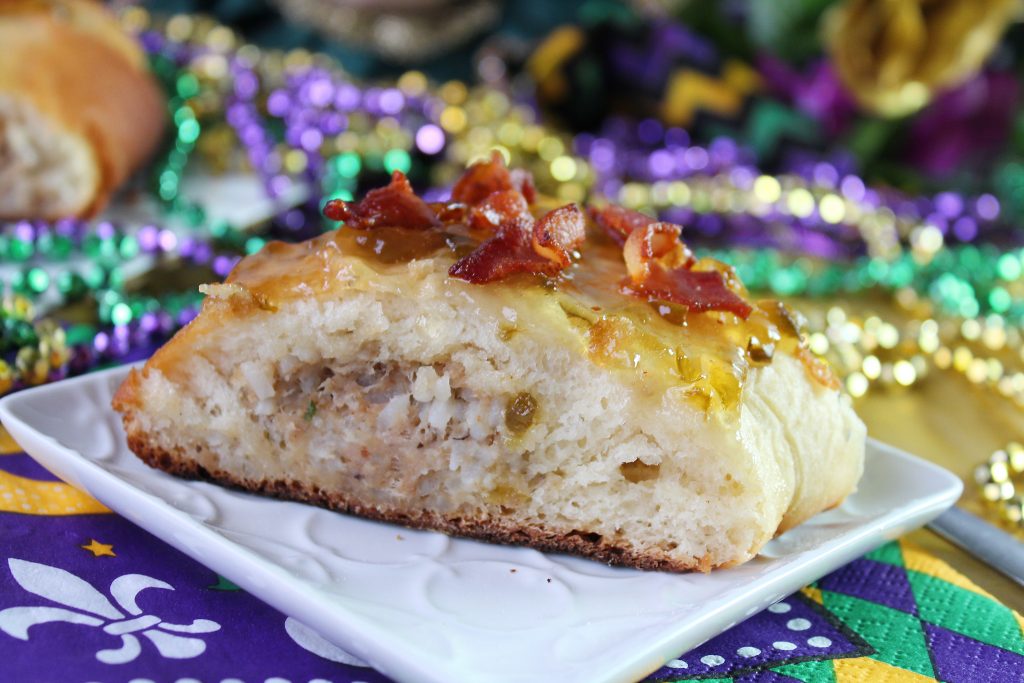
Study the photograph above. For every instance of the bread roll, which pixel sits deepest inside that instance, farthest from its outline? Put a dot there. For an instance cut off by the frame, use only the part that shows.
(79, 110)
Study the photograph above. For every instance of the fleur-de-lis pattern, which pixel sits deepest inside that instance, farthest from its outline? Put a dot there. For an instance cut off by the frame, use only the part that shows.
(83, 604)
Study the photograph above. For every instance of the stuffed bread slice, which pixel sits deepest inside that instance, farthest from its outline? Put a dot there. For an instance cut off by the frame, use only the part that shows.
(430, 365)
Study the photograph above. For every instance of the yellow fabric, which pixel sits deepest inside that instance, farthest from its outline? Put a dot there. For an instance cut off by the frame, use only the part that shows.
(740, 76)
(7, 444)
(813, 593)
(99, 549)
(543, 64)
(690, 91)
(864, 669)
(920, 561)
(33, 497)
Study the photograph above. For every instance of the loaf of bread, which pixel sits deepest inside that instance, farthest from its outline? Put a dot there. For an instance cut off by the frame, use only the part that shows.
(79, 110)
(384, 371)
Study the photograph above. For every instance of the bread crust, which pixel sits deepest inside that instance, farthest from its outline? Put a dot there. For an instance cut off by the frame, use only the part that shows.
(71, 63)
(591, 545)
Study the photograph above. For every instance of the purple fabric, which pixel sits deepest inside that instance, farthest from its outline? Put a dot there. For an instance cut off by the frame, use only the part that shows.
(24, 466)
(862, 579)
(765, 677)
(968, 123)
(250, 642)
(793, 630)
(959, 659)
(816, 91)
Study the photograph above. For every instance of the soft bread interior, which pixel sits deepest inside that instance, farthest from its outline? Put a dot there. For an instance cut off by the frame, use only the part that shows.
(43, 171)
(417, 407)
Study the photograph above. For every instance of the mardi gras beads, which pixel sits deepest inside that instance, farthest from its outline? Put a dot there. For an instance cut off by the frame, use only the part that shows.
(1000, 481)
(34, 351)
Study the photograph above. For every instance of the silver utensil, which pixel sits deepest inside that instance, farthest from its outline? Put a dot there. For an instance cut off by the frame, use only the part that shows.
(990, 544)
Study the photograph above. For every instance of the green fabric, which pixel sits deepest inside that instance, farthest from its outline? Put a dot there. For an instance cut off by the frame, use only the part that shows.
(890, 553)
(966, 612)
(809, 672)
(897, 637)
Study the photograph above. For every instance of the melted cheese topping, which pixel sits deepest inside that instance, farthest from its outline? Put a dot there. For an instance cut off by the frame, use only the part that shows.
(707, 355)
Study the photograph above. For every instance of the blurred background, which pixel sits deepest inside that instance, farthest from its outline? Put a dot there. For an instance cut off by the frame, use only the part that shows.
(863, 158)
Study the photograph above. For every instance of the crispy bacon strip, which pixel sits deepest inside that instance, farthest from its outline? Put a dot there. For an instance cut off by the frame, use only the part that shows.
(655, 244)
(698, 290)
(394, 205)
(449, 212)
(618, 222)
(542, 247)
(484, 178)
(660, 268)
(558, 233)
(498, 258)
(499, 209)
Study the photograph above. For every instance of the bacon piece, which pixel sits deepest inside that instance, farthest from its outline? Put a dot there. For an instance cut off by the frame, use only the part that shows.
(543, 247)
(484, 178)
(698, 290)
(395, 205)
(660, 268)
(618, 222)
(498, 258)
(558, 232)
(656, 243)
(449, 212)
(500, 209)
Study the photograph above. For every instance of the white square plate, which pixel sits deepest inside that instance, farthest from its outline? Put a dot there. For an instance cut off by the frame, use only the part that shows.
(423, 607)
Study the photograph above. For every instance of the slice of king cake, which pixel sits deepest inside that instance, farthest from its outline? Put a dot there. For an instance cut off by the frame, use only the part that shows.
(509, 370)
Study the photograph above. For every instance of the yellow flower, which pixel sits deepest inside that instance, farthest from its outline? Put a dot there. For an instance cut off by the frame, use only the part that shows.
(893, 55)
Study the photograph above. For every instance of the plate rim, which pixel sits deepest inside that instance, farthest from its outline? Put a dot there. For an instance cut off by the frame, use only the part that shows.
(298, 597)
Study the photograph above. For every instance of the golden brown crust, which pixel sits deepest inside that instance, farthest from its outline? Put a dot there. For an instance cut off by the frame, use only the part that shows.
(71, 62)
(590, 545)
(127, 395)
